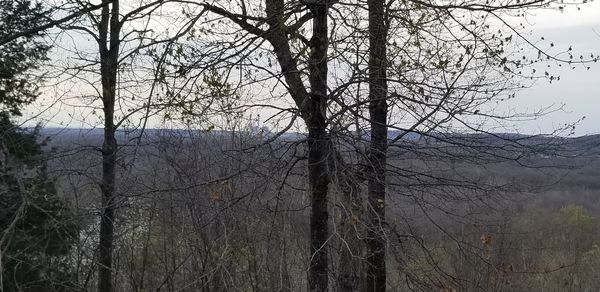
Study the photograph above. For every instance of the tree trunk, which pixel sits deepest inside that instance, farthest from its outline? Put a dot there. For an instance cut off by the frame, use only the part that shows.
(109, 29)
(351, 248)
(318, 151)
(312, 109)
(376, 241)
(319, 218)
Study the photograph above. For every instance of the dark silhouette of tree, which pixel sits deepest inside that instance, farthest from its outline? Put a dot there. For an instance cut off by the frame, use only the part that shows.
(378, 111)
(119, 49)
(38, 226)
(109, 30)
(18, 84)
(310, 101)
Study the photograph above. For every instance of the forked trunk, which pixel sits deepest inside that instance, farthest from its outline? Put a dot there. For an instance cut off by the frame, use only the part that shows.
(108, 41)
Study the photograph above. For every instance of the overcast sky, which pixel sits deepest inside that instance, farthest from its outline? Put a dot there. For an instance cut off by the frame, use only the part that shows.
(578, 89)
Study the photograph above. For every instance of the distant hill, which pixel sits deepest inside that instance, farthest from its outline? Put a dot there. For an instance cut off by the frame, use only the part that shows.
(93, 136)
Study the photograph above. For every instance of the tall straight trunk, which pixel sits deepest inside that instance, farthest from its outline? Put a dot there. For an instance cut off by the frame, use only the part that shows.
(108, 42)
(376, 242)
(318, 151)
(319, 226)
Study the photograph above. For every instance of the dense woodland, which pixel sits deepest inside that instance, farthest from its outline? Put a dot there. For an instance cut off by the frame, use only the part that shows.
(273, 145)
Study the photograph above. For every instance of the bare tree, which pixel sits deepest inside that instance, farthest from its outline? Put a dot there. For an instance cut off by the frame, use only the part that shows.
(119, 44)
(109, 30)
(416, 141)
(310, 99)
(378, 111)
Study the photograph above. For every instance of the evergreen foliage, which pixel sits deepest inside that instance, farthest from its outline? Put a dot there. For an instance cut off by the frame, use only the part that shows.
(19, 57)
(37, 225)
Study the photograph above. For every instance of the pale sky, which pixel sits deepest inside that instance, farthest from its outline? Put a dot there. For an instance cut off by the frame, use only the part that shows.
(578, 91)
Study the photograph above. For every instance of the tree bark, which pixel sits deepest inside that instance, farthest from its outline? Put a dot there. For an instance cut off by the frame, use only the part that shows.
(109, 29)
(350, 273)
(319, 218)
(312, 108)
(351, 248)
(318, 150)
(376, 242)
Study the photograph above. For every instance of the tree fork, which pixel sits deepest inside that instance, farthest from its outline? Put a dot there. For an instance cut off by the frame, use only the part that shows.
(108, 41)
